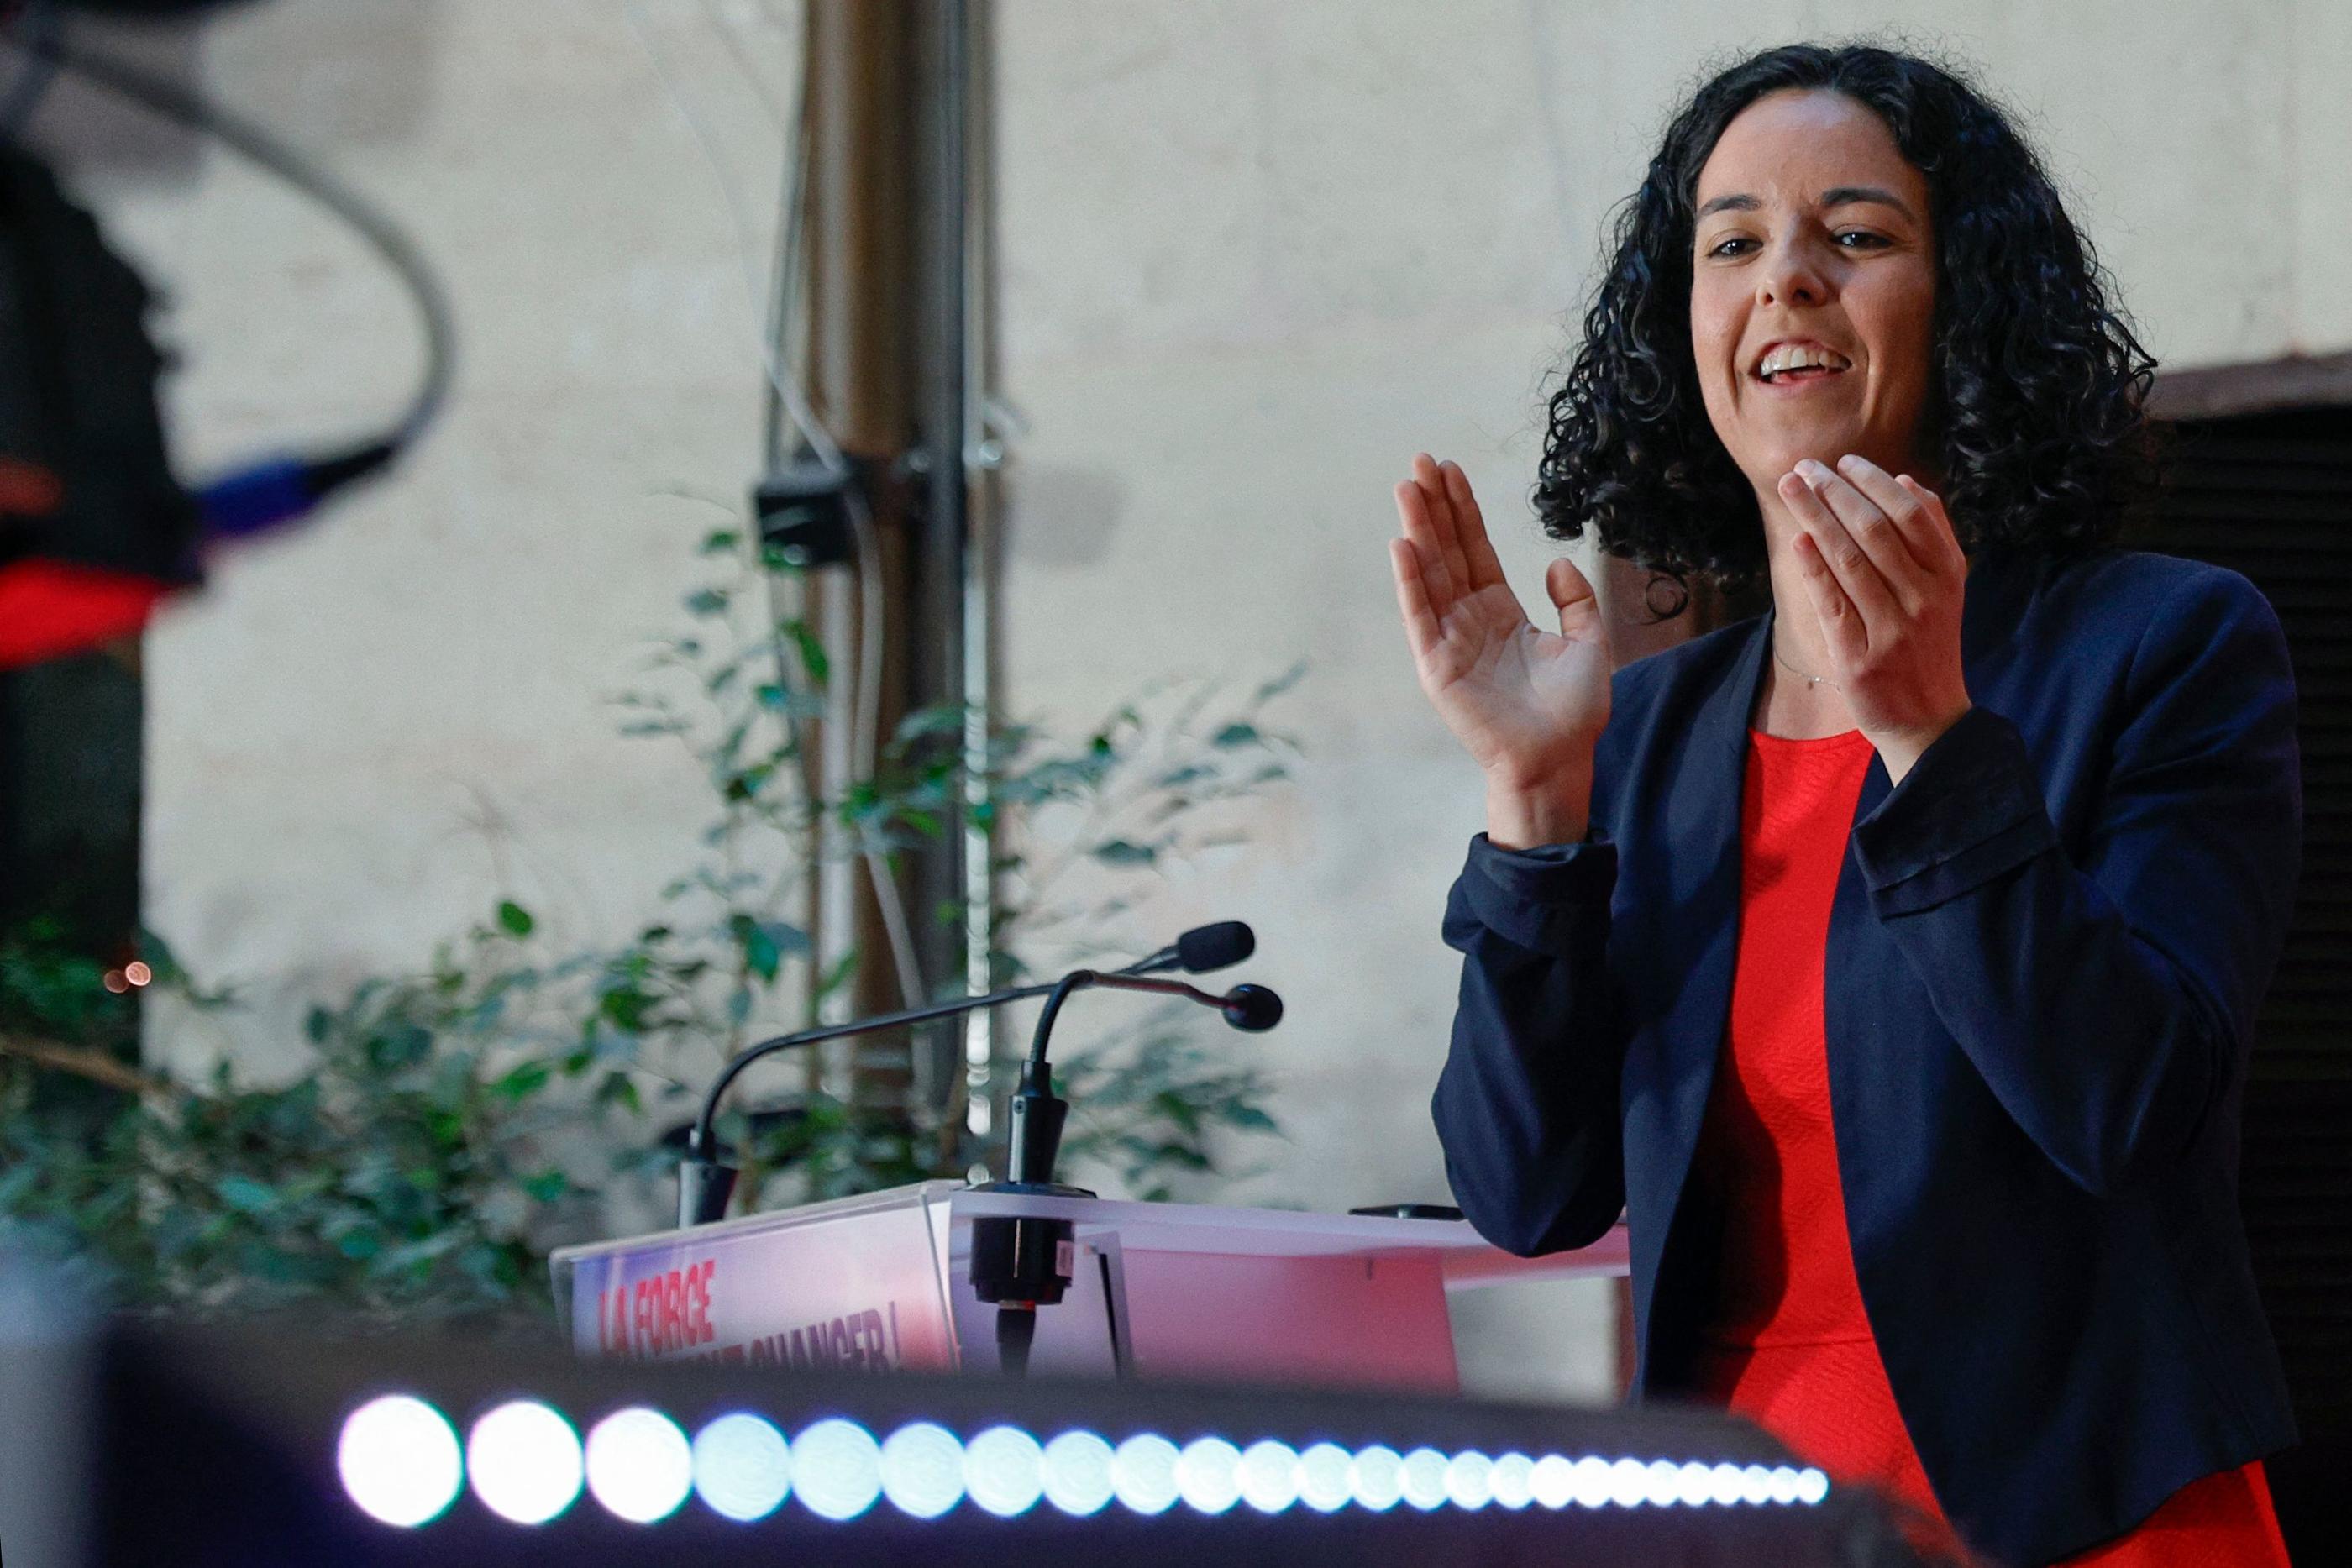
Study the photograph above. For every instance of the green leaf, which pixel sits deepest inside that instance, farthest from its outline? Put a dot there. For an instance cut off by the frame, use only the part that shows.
(626, 1006)
(717, 541)
(1281, 683)
(1238, 733)
(764, 943)
(619, 1089)
(514, 919)
(811, 649)
(522, 1082)
(359, 1245)
(247, 1196)
(548, 1185)
(706, 601)
(1177, 1109)
(940, 718)
(1121, 852)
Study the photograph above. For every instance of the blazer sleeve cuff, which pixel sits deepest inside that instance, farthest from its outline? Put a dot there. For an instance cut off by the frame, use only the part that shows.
(1970, 809)
(1550, 899)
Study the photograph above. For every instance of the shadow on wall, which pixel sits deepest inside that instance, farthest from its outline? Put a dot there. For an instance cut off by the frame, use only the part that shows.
(340, 72)
(1061, 516)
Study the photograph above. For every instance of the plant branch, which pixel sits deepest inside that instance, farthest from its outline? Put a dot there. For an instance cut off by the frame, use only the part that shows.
(94, 1065)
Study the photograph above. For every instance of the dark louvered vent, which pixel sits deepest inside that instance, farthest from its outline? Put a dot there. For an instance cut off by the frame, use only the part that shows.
(2270, 495)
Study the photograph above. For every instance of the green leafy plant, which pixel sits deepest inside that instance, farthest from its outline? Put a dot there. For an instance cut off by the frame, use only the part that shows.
(454, 1123)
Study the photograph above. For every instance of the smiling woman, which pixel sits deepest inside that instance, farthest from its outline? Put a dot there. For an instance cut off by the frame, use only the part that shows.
(1890, 960)
(2030, 379)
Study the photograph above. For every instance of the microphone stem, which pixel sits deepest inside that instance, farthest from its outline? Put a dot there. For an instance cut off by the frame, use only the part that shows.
(1078, 979)
(699, 1140)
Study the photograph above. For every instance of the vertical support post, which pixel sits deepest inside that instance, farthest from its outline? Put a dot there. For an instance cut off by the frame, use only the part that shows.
(863, 87)
(895, 354)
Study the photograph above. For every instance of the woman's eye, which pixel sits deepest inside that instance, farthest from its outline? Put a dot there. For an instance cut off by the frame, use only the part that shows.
(1860, 239)
(1725, 247)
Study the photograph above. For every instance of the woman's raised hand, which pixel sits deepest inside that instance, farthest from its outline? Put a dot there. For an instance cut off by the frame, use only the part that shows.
(1527, 705)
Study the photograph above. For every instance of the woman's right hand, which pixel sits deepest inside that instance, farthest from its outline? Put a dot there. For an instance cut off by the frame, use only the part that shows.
(1527, 705)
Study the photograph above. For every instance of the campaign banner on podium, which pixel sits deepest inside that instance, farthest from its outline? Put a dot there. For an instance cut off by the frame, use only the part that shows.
(852, 1287)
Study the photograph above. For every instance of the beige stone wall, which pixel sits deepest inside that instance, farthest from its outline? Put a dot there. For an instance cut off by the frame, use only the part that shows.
(1254, 255)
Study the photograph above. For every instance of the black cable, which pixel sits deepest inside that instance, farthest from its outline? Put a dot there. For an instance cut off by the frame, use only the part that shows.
(172, 102)
(783, 277)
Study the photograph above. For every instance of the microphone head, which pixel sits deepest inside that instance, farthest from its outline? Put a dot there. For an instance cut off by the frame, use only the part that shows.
(1252, 1007)
(1218, 946)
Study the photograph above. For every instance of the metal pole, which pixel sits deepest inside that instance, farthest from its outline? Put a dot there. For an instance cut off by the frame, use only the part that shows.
(897, 262)
(981, 456)
(864, 84)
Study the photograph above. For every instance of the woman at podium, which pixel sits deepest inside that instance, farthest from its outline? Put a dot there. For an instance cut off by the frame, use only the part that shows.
(1889, 959)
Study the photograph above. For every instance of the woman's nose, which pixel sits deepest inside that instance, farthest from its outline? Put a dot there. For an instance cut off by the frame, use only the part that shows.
(1791, 275)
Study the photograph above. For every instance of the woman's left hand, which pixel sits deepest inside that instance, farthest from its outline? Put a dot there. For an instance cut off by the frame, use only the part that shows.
(1886, 576)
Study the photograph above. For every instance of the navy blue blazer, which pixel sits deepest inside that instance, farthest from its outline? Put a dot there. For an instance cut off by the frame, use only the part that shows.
(2044, 956)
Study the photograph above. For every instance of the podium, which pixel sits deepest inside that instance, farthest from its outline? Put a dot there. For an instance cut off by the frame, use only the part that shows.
(880, 1282)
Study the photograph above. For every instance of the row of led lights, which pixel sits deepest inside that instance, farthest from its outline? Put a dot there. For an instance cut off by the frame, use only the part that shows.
(401, 1462)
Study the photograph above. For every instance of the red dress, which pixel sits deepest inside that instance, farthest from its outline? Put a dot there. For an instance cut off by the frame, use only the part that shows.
(1789, 1345)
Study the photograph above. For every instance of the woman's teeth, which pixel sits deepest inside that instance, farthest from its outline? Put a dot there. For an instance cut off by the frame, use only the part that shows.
(1796, 361)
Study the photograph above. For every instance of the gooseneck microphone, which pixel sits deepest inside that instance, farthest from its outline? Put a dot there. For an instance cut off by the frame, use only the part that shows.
(1201, 950)
(704, 1184)
(1022, 1262)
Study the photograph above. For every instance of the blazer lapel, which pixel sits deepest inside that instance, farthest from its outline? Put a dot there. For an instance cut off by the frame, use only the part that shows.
(1705, 836)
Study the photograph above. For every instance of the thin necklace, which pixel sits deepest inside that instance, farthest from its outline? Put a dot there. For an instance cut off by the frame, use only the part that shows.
(1809, 680)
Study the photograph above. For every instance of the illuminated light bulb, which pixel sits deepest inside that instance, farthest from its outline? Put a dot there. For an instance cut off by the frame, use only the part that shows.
(743, 1467)
(1143, 1473)
(922, 1469)
(836, 1470)
(1004, 1472)
(639, 1465)
(1553, 1482)
(1629, 1483)
(1514, 1480)
(1269, 1476)
(1323, 1480)
(1078, 1473)
(525, 1461)
(1784, 1484)
(137, 973)
(1377, 1477)
(1812, 1486)
(1754, 1484)
(1694, 1484)
(399, 1459)
(1665, 1481)
(1207, 1475)
(1470, 1479)
(1424, 1479)
(1726, 1487)
(1596, 1482)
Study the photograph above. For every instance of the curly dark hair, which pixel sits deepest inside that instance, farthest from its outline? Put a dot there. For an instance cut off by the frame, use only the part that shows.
(2035, 403)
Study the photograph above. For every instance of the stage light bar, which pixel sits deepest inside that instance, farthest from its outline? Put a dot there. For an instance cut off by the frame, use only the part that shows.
(639, 1465)
(400, 1465)
(743, 1467)
(525, 1462)
(399, 1460)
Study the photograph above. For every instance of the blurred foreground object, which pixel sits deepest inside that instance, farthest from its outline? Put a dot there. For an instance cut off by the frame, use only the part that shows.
(144, 1445)
(93, 527)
